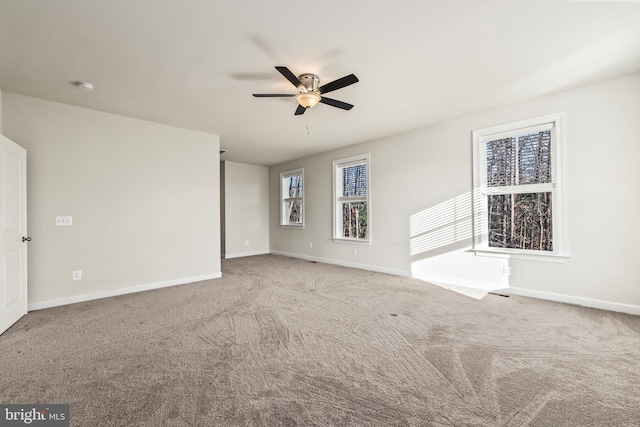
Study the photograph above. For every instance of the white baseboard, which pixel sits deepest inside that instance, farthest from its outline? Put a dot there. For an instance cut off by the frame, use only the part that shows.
(243, 254)
(120, 291)
(394, 271)
(452, 282)
(569, 299)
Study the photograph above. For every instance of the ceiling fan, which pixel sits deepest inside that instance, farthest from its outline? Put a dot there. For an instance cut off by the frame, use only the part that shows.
(310, 94)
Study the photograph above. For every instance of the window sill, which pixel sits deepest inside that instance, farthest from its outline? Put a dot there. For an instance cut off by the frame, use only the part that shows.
(352, 241)
(294, 226)
(544, 257)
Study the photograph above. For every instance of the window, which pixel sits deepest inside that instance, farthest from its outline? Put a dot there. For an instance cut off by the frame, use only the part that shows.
(351, 199)
(292, 196)
(518, 208)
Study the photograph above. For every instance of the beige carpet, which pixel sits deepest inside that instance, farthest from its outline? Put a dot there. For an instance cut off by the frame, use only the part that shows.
(286, 342)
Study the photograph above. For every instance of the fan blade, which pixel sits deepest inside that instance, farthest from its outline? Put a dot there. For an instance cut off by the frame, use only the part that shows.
(338, 84)
(270, 95)
(336, 103)
(291, 77)
(300, 110)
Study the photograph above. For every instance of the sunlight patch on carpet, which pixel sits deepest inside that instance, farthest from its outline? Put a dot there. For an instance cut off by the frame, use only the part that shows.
(470, 292)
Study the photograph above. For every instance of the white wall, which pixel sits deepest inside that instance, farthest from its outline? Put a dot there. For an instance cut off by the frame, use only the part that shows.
(428, 172)
(246, 206)
(0, 111)
(144, 199)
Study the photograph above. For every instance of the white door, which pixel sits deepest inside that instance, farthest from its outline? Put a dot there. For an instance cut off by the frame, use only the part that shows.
(13, 224)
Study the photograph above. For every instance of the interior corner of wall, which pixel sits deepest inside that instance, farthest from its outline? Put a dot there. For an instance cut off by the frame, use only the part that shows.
(1, 131)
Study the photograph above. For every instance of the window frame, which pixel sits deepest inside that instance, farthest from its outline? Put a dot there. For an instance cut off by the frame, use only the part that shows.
(481, 190)
(339, 200)
(284, 220)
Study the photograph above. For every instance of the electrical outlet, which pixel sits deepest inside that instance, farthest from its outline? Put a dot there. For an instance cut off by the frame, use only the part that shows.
(246, 243)
(310, 244)
(355, 252)
(76, 275)
(64, 220)
(506, 270)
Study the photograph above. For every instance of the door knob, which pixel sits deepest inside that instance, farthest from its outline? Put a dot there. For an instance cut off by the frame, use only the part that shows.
(26, 239)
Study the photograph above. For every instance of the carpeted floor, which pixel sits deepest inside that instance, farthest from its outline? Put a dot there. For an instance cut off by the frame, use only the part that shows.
(286, 342)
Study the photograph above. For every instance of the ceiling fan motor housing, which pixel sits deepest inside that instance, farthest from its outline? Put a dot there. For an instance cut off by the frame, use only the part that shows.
(310, 81)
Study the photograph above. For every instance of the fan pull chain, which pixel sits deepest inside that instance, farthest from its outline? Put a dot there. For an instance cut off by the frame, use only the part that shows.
(308, 134)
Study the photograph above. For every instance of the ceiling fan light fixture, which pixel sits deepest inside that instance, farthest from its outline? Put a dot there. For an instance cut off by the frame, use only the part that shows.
(308, 99)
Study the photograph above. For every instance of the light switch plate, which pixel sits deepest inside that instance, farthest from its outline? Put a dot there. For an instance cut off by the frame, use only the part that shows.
(64, 220)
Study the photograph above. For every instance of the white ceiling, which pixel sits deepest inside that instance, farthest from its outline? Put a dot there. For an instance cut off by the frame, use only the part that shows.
(195, 63)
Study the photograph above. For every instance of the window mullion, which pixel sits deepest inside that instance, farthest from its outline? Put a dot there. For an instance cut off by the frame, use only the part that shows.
(353, 199)
(519, 189)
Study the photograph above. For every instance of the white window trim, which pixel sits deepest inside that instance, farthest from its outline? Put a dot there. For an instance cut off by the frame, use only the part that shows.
(480, 235)
(287, 174)
(348, 161)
